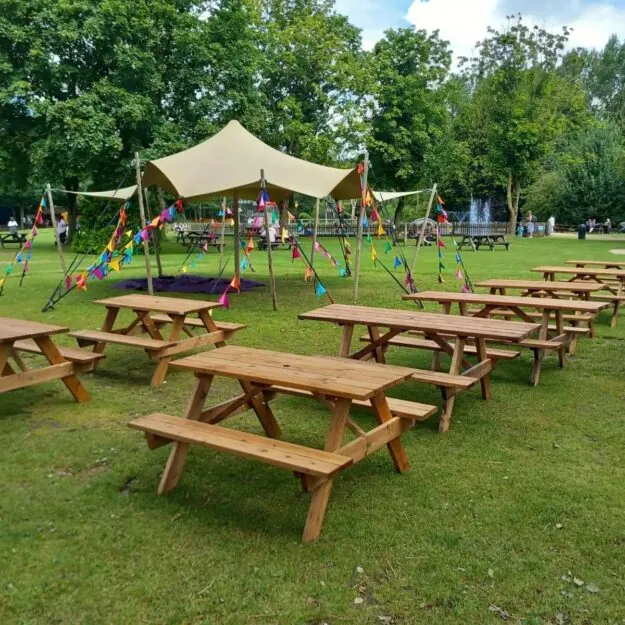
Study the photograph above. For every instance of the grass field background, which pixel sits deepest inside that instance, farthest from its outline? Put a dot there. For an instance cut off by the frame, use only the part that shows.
(498, 518)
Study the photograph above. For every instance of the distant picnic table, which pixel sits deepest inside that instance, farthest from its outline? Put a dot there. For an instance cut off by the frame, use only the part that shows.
(20, 335)
(478, 235)
(541, 288)
(433, 332)
(262, 375)
(151, 314)
(12, 237)
(609, 279)
(541, 308)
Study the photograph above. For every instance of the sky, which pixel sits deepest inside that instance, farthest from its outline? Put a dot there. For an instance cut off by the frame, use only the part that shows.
(463, 22)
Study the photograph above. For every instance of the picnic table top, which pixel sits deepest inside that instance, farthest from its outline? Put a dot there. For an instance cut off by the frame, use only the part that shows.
(337, 377)
(15, 329)
(618, 273)
(597, 263)
(433, 323)
(541, 285)
(155, 303)
(550, 303)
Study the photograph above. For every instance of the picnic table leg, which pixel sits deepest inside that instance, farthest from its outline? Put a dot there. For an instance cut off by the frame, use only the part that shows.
(436, 356)
(107, 326)
(54, 357)
(320, 496)
(210, 325)
(480, 346)
(163, 363)
(374, 335)
(18, 360)
(261, 407)
(395, 448)
(560, 332)
(539, 353)
(455, 369)
(346, 341)
(178, 454)
(5, 367)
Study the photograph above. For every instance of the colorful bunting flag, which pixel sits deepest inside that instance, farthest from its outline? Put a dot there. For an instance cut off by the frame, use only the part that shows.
(224, 301)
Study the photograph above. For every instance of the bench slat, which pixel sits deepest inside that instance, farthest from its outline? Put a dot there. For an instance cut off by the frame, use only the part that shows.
(97, 336)
(271, 451)
(70, 353)
(408, 341)
(399, 407)
(226, 326)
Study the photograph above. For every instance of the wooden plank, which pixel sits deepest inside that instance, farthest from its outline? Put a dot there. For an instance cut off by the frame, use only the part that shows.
(505, 301)
(580, 271)
(375, 439)
(158, 303)
(54, 357)
(226, 326)
(13, 329)
(412, 320)
(383, 414)
(69, 353)
(194, 342)
(178, 454)
(98, 336)
(35, 376)
(537, 285)
(271, 451)
(331, 376)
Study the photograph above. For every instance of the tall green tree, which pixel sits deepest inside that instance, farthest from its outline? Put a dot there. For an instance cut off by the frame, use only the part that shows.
(523, 102)
(409, 107)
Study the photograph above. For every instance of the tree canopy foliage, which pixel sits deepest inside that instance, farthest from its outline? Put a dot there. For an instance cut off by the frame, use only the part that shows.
(85, 83)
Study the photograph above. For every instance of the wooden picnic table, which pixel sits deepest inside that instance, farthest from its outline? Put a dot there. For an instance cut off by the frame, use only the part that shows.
(264, 374)
(151, 314)
(542, 308)
(438, 330)
(541, 288)
(612, 280)
(489, 240)
(19, 335)
(12, 237)
(606, 264)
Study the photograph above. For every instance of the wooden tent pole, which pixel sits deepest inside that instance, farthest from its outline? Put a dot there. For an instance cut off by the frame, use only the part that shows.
(146, 242)
(361, 216)
(422, 233)
(272, 279)
(222, 239)
(59, 245)
(236, 235)
(154, 235)
(315, 231)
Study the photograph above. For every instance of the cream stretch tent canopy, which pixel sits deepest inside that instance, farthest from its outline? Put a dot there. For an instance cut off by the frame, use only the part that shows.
(386, 196)
(117, 195)
(231, 161)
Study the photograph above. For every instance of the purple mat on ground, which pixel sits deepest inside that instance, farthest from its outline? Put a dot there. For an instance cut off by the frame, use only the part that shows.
(185, 284)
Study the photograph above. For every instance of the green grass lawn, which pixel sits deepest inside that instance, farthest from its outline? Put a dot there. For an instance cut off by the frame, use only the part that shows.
(524, 494)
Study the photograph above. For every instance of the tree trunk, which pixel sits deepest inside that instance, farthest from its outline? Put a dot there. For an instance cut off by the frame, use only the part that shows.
(399, 210)
(71, 184)
(512, 210)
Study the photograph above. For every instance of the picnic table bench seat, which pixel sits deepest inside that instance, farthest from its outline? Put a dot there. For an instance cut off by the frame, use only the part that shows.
(399, 407)
(423, 343)
(229, 327)
(73, 354)
(89, 337)
(272, 451)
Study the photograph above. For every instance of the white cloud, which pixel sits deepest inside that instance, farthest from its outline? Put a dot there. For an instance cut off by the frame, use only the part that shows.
(463, 22)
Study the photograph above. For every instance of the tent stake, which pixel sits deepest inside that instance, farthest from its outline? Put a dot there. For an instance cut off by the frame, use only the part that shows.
(272, 279)
(59, 245)
(315, 231)
(422, 233)
(146, 242)
(361, 216)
